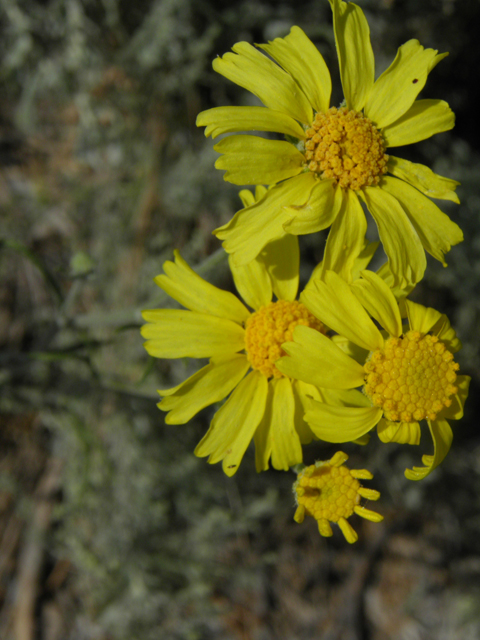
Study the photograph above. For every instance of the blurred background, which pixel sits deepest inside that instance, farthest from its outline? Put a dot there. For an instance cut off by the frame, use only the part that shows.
(110, 528)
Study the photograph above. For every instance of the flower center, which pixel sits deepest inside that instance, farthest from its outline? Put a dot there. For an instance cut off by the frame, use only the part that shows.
(269, 327)
(411, 378)
(327, 492)
(345, 146)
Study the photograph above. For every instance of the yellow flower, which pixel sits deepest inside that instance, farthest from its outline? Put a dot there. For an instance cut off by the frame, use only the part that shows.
(335, 159)
(243, 347)
(408, 373)
(330, 492)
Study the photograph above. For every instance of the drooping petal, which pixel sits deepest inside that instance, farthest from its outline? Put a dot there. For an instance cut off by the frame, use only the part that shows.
(424, 179)
(187, 334)
(335, 305)
(286, 447)
(211, 384)
(185, 286)
(252, 228)
(346, 238)
(348, 531)
(234, 424)
(395, 90)
(255, 72)
(400, 241)
(297, 54)
(341, 424)
(315, 359)
(253, 282)
(282, 261)
(379, 301)
(355, 55)
(254, 160)
(402, 432)
(317, 213)
(421, 318)
(435, 229)
(424, 119)
(442, 439)
(455, 410)
(234, 119)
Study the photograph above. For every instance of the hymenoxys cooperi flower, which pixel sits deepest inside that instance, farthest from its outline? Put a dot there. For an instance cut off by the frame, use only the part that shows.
(408, 373)
(243, 347)
(331, 492)
(334, 159)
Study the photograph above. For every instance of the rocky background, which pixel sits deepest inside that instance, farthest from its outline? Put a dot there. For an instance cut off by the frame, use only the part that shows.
(110, 528)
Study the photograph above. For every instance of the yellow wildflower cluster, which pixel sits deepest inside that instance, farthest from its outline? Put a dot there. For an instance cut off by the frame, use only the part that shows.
(353, 353)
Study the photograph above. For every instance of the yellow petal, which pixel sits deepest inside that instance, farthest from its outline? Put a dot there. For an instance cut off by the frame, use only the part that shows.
(368, 494)
(402, 432)
(442, 439)
(255, 72)
(455, 410)
(253, 282)
(317, 213)
(324, 528)
(233, 119)
(385, 273)
(299, 56)
(435, 229)
(247, 197)
(254, 160)
(400, 241)
(346, 238)
(286, 447)
(348, 531)
(355, 55)
(211, 384)
(302, 393)
(373, 516)
(282, 260)
(379, 301)
(443, 330)
(421, 318)
(395, 90)
(315, 359)
(234, 424)
(299, 514)
(186, 287)
(263, 435)
(424, 119)
(424, 179)
(341, 424)
(186, 334)
(335, 305)
(252, 228)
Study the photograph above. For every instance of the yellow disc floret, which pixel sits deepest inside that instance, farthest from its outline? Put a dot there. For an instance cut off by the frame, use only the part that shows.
(330, 492)
(412, 378)
(345, 146)
(269, 327)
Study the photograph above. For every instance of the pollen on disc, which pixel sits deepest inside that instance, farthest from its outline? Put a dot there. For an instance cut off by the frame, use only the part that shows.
(412, 378)
(344, 145)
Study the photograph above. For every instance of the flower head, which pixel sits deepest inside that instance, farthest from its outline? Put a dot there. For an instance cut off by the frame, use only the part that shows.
(407, 372)
(331, 492)
(243, 347)
(334, 159)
